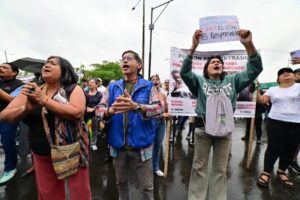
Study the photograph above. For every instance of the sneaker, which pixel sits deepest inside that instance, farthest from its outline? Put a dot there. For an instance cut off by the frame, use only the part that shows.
(159, 173)
(107, 159)
(7, 176)
(245, 138)
(188, 137)
(27, 172)
(295, 167)
(258, 142)
(191, 143)
(94, 147)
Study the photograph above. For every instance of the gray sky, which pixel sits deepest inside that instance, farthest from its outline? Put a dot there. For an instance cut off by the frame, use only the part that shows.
(90, 31)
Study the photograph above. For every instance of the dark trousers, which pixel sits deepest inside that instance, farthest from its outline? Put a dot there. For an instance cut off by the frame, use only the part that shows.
(283, 139)
(181, 121)
(8, 140)
(257, 123)
(144, 173)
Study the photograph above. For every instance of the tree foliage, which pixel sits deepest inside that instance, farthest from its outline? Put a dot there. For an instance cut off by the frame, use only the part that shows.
(105, 71)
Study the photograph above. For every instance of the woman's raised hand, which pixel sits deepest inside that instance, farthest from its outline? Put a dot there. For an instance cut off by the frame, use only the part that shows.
(196, 39)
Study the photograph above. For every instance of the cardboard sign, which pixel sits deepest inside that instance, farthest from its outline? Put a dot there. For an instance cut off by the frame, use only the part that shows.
(245, 109)
(219, 29)
(295, 57)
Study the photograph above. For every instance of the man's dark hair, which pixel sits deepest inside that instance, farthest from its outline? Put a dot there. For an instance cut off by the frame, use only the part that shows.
(68, 75)
(14, 68)
(205, 71)
(175, 71)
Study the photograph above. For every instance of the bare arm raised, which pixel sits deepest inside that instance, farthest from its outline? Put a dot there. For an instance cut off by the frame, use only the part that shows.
(246, 40)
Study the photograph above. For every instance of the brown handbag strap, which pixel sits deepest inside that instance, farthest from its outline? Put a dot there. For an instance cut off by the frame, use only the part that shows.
(45, 122)
(46, 126)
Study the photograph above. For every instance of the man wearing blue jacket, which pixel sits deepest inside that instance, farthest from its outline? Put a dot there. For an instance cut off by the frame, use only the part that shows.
(129, 106)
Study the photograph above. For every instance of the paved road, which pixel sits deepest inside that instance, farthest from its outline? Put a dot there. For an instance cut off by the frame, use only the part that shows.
(241, 181)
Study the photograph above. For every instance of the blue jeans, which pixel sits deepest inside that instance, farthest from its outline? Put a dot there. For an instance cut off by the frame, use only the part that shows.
(95, 130)
(160, 127)
(8, 140)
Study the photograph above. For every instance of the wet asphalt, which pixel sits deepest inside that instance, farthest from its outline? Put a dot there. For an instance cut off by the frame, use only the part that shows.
(241, 181)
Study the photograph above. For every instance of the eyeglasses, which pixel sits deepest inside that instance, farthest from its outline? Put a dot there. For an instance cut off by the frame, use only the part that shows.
(128, 58)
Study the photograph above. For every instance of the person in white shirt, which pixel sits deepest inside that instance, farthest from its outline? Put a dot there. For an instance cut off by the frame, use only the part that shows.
(101, 88)
(165, 88)
(294, 166)
(283, 126)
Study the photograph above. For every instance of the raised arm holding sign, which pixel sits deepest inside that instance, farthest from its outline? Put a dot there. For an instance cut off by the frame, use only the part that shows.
(215, 86)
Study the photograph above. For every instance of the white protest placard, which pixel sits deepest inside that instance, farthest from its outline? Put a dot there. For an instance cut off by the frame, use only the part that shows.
(219, 29)
(181, 102)
(245, 109)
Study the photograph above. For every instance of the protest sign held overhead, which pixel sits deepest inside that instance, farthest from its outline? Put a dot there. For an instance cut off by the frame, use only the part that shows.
(219, 29)
(295, 57)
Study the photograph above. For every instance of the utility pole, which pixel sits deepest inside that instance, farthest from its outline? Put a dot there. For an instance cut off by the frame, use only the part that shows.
(5, 56)
(143, 40)
(151, 28)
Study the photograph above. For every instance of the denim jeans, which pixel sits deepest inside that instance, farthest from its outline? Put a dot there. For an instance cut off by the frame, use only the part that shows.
(160, 127)
(8, 140)
(181, 122)
(143, 171)
(95, 130)
(201, 183)
(24, 148)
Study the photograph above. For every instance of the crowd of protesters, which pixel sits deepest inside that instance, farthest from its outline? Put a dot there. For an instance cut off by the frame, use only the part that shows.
(134, 112)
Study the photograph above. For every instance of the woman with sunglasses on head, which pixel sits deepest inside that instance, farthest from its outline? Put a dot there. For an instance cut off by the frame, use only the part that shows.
(160, 126)
(41, 107)
(214, 81)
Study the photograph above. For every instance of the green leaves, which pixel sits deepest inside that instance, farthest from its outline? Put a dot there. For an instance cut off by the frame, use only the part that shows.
(106, 71)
